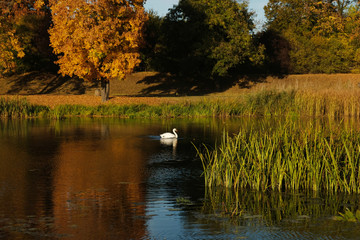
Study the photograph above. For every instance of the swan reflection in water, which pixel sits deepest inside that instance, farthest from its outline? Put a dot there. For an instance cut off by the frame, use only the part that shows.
(170, 142)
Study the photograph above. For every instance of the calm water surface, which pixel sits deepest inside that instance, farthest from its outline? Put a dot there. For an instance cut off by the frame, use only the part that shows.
(115, 179)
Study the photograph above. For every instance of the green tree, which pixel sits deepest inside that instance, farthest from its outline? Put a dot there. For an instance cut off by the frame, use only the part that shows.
(152, 43)
(318, 33)
(97, 40)
(277, 53)
(208, 38)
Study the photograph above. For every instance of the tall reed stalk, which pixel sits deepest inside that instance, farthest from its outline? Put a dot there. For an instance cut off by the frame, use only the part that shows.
(285, 158)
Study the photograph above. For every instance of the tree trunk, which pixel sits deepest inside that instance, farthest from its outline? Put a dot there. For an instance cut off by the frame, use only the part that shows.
(105, 90)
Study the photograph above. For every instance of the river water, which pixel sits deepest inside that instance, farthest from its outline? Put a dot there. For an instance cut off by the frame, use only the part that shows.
(108, 178)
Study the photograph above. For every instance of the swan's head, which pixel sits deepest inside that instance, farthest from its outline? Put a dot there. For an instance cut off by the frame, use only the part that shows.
(174, 130)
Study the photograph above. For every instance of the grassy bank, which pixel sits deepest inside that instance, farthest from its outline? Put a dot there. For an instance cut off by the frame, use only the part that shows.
(265, 103)
(286, 158)
(20, 108)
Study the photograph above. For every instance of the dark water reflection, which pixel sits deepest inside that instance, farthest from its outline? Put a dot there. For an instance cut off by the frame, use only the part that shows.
(115, 179)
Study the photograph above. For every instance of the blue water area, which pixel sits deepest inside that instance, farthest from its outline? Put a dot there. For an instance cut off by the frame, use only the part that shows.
(117, 179)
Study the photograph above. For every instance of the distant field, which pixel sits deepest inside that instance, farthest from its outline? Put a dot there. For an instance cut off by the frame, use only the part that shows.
(152, 88)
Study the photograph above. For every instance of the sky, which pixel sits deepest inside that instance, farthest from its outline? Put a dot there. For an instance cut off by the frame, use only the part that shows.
(162, 7)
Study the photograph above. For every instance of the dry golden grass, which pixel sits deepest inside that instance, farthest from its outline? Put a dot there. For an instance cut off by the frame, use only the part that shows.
(87, 100)
(307, 82)
(52, 90)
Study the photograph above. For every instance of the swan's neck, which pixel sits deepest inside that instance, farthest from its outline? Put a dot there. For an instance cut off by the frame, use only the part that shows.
(176, 136)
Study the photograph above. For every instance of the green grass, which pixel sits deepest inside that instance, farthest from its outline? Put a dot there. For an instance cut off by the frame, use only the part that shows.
(285, 158)
(266, 103)
(20, 108)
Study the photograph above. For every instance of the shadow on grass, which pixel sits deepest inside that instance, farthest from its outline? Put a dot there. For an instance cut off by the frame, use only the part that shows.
(160, 84)
(163, 84)
(33, 83)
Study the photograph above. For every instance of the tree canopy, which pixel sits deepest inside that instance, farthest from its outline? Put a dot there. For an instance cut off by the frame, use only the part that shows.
(208, 38)
(97, 40)
(198, 40)
(321, 34)
(23, 35)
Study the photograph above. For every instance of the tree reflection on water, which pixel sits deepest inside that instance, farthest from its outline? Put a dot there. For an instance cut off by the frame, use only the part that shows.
(110, 179)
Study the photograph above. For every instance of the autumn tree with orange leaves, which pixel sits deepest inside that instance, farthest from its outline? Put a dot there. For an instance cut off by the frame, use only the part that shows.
(97, 40)
(24, 40)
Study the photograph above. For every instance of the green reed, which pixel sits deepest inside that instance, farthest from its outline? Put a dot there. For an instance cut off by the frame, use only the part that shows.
(285, 158)
(348, 216)
(266, 103)
(20, 108)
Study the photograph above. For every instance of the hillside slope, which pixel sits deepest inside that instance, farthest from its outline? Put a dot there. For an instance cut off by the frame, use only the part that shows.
(155, 88)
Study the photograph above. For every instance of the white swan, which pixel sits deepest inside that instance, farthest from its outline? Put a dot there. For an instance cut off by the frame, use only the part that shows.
(169, 135)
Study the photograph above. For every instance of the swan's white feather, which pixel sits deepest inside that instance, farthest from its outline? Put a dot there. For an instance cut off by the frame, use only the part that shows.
(169, 135)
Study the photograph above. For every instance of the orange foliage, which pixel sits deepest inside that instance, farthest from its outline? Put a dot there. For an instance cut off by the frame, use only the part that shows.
(97, 39)
(10, 49)
(12, 44)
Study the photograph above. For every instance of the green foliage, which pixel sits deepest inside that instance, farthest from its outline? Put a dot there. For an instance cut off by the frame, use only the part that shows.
(208, 39)
(198, 40)
(277, 52)
(320, 33)
(152, 43)
(318, 54)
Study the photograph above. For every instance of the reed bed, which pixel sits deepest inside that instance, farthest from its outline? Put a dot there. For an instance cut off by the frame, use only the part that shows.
(285, 158)
(332, 104)
(20, 108)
